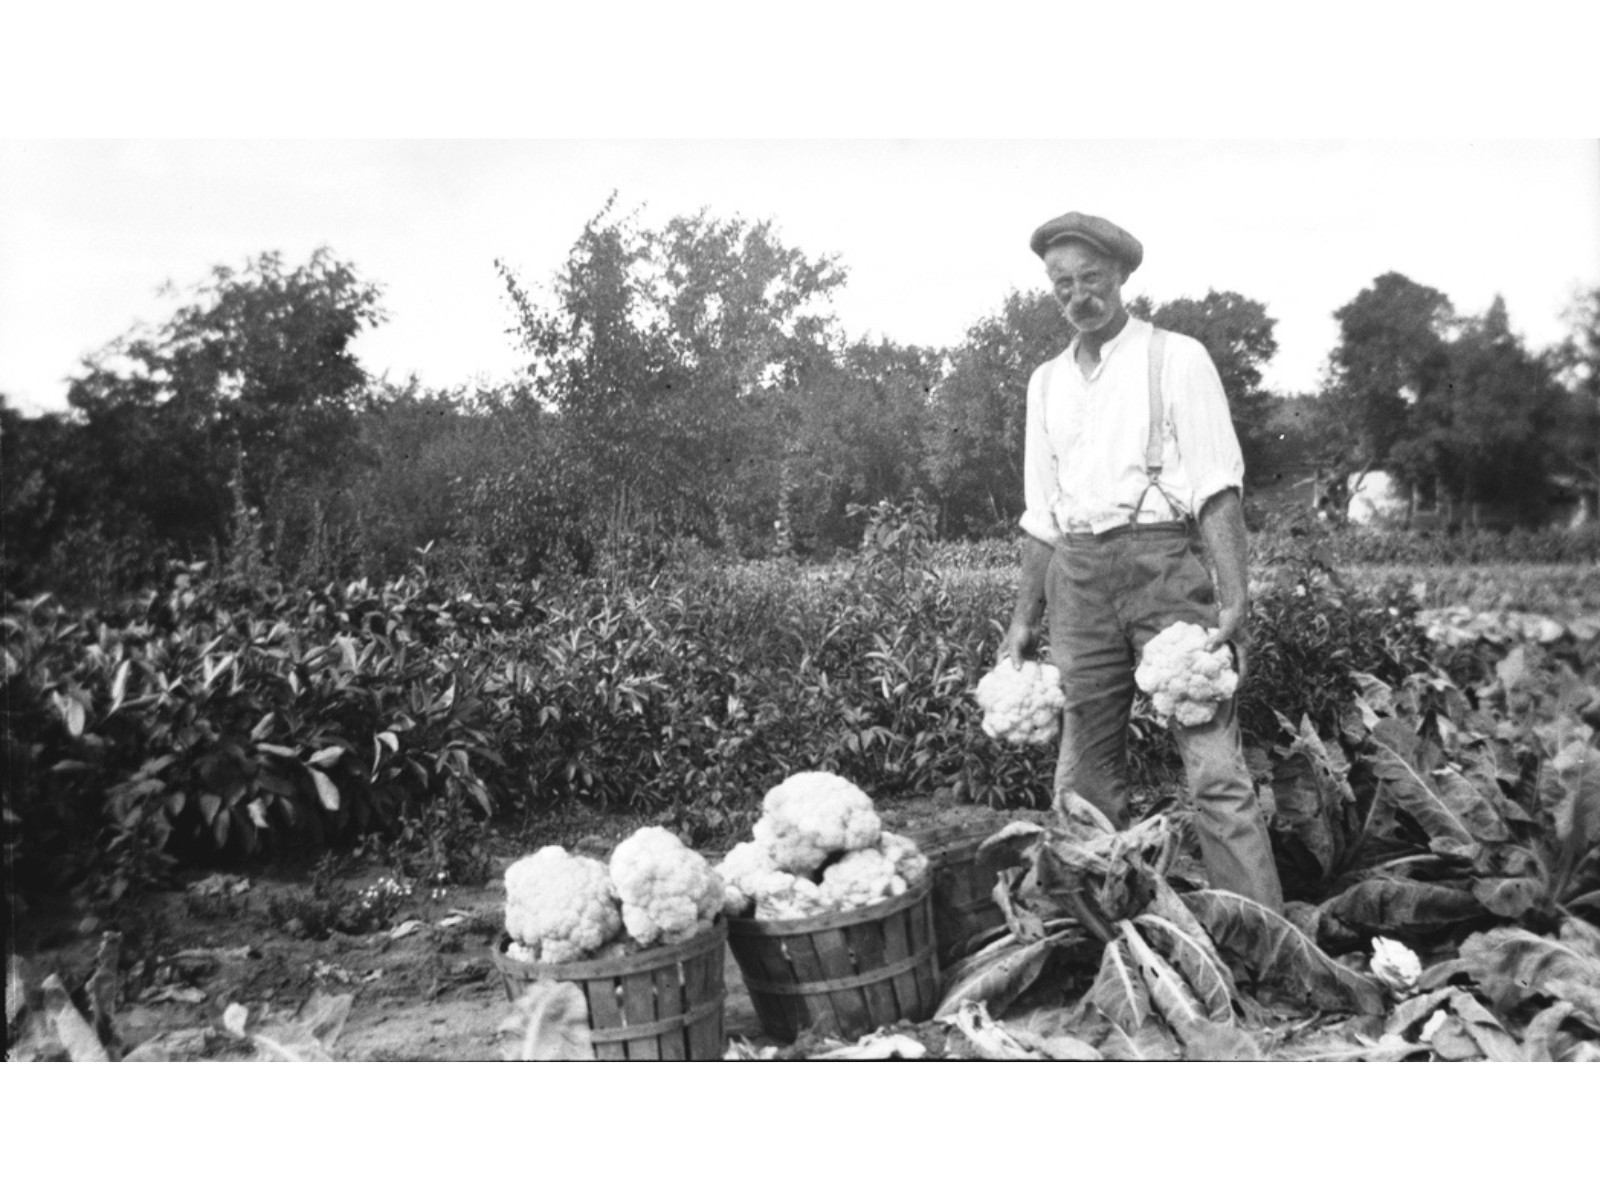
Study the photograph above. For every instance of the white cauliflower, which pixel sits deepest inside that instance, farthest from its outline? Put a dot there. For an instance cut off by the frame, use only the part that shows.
(669, 892)
(1395, 964)
(859, 878)
(791, 897)
(1022, 704)
(748, 873)
(813, 815)
(909, 862)
(877, 873)
(1185, 682)
(559, 906)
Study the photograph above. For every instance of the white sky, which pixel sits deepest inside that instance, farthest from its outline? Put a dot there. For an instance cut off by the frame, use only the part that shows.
(933, 232)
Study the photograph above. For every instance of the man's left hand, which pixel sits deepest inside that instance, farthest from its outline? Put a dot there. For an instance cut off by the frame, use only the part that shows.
(1233, 626)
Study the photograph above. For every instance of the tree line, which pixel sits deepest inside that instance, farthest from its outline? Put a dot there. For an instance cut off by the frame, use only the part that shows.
(688, 383)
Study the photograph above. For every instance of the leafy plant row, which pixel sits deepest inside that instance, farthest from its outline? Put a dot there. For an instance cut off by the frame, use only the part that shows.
(209, 719)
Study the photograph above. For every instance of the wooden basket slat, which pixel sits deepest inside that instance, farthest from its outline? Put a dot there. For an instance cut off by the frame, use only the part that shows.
(663, 1003)
(926, 971)
(806, 963)
(898, 944)
(850, 1008)
(837, 981)
(877, 987)
(964, 910)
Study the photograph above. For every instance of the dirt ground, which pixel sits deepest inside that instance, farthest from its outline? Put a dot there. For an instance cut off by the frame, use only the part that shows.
(421, 982)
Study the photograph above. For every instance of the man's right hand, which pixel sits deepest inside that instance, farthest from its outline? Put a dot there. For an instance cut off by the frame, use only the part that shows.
(1017, 643)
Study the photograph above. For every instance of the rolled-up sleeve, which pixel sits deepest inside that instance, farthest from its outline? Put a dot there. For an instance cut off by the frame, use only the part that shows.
(1201, 422)
(1038, 465)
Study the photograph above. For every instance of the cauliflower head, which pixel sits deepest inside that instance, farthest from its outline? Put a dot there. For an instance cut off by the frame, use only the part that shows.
(790, 897)
(812, 815)
(748, 875)
(669, 892)
(1185, 682)
(1021, 705)
(559, 906)
(859, 878)
(1395, 964)
(910, 863)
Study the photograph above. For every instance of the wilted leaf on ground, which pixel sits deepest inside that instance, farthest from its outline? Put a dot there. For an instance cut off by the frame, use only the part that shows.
(310, 1037)
(1274, 950)
(74, 1032)
(1052, 1030)
(551, 1022)
(1538, 1040)
(1491, 1036)
(988, 1038)
(1149, 1042)
(1413, 1011)
(874, 1047)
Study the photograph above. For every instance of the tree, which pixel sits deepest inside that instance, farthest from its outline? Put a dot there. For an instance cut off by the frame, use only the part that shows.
(1482, 433)
(665, 352)
(1576, 362)
(856, 434)
(254, 377)
(978, 415)
(1237, 333)
(1392, 352)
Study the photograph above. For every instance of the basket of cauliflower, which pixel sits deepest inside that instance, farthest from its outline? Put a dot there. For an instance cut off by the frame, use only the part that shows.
(1185, 681)
(641, 936)
(829, 914)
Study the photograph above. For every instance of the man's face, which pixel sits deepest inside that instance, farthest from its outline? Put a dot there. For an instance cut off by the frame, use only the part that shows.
(1087, 284)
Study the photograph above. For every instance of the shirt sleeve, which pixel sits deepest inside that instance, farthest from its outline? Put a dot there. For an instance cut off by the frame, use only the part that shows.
(1038, 465)
(1201, 422)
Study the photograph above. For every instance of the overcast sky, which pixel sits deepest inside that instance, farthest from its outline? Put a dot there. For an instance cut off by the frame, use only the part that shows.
(932, 233)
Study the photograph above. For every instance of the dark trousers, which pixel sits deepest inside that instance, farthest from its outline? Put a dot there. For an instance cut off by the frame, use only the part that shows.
(1108, 595)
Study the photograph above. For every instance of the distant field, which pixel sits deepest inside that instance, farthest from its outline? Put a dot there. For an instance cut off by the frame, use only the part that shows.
(1559, 590)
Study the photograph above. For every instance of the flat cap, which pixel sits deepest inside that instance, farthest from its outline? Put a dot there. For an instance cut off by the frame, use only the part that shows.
(1100, 233)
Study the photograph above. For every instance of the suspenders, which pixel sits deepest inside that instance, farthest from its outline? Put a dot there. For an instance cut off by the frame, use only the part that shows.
(1152, 448)
(1157, 436)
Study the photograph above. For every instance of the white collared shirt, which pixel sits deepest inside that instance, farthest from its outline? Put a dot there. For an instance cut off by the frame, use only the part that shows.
(1086, 439)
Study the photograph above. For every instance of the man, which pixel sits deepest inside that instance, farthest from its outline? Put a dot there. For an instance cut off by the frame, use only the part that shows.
(1114, 523)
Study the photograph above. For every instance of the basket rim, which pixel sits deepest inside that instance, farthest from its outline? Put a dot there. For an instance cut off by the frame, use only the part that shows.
(604, 968)
(780, 926)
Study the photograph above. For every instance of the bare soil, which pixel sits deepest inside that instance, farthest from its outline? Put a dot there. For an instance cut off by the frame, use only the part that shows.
(422, 984)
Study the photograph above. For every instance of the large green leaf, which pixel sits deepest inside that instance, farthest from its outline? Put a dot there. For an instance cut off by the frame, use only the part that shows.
(1000, 972)
(1316, 805)
(1401, 907)
(1149, 1042)
(1510, 964)
(1570, 787)
(1169, 994)
(1510, 897)
(1197, 962)
(1119, 991)
(1408, 786)
(1497, 1045)
(1274, 950)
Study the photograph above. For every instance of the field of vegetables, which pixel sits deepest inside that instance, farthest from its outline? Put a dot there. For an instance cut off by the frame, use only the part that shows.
(240, 818)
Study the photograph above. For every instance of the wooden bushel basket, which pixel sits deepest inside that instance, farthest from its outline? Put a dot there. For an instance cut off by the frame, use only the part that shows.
(965, 915)
(665, 1004)
(841, 974)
